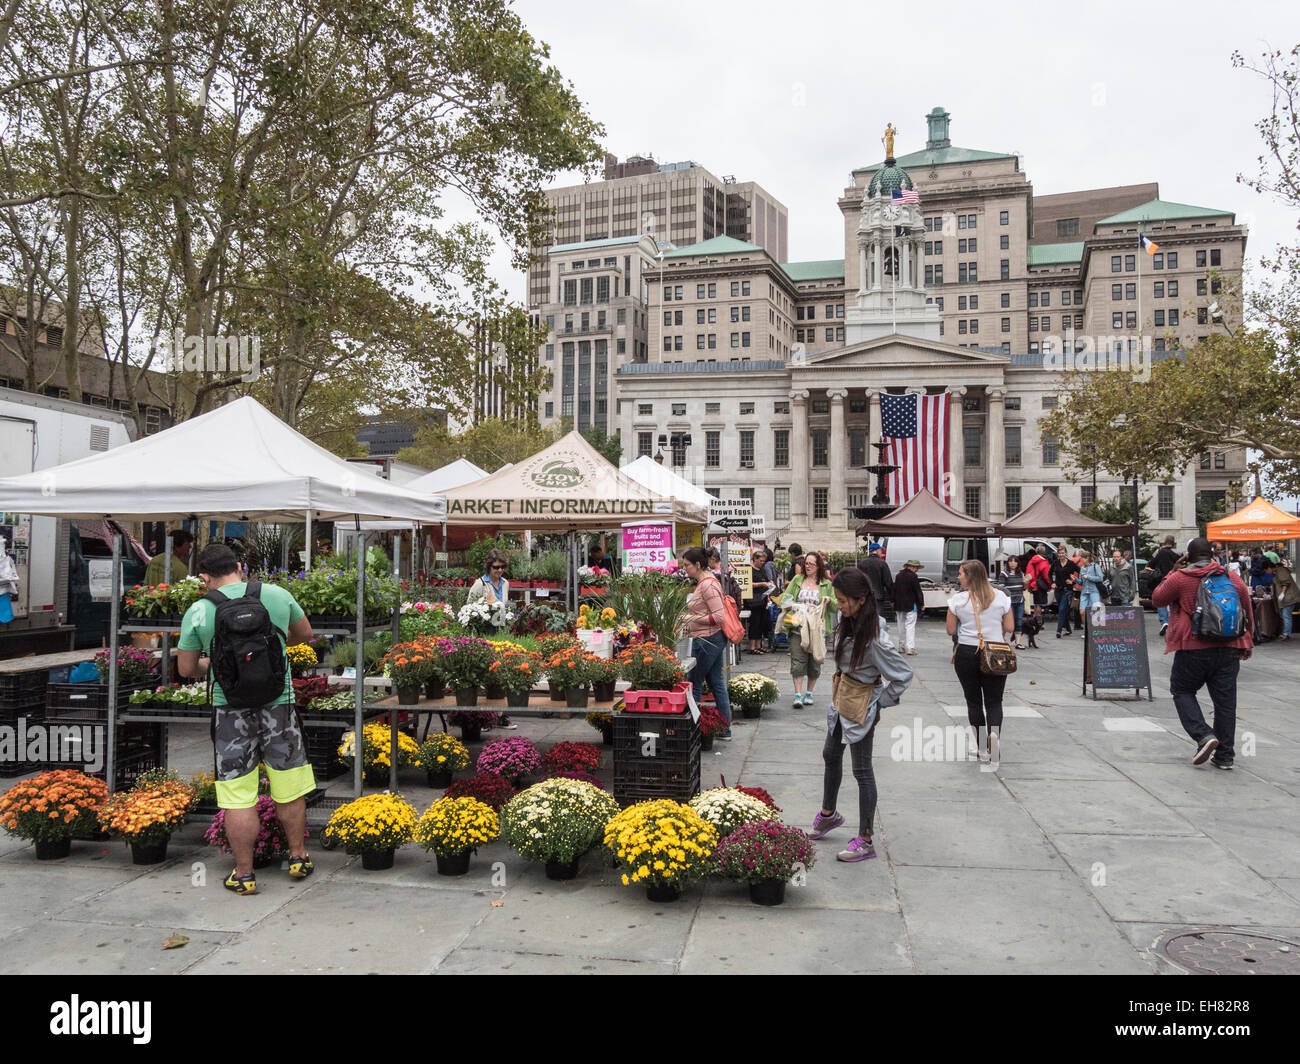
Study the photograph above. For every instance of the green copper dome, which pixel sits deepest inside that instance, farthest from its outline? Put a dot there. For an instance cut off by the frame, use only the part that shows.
(887, 179)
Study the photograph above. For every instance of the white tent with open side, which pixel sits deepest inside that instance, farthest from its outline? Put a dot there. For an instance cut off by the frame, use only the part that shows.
(453, 475)
(646, 471)
(233, 463)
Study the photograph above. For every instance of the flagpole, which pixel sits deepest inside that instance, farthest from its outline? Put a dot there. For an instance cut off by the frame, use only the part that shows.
(893, 266)
(1141, 251)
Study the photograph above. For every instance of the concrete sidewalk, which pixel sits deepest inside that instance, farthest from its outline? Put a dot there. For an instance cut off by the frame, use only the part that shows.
(1096, 838)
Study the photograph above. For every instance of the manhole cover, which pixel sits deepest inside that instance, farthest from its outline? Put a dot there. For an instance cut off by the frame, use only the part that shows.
(1233, 953)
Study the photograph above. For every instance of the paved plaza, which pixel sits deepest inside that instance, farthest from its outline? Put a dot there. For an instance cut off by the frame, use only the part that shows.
(1094, 840)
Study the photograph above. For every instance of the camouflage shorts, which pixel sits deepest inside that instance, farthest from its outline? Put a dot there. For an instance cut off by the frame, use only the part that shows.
(243, 737)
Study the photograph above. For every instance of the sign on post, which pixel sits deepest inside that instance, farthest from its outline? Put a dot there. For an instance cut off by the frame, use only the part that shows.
(647, 546)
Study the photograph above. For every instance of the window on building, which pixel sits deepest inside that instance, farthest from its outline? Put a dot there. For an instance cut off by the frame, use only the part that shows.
(1202, 316)
(1158, 318)
(645, 409)
(713, 291)
(1130, 263)
(1165, 502)
(1004, 218)
(1013, 501)
(1011, 436)
(1130, 291)
(644, 443)
(713, 408)
(1117, 320)
(679, 409)
(781, 448)
(1216, 286)
(1004, 242)
(746, 408)
(1033, 324)
(1033, 347)
(820, 447)
(699, 291)
(857, 448)
(735, 288)
(1216, 257)
(938, 277)
(677, 291)
(1051, 454)
(972, 502)
(1067, 227)
(550, 352)
(1158, 260)
(1220, 460)
(929, 275)
(1116, 263)
(1158, 344)
(971, 440)
(744, 339)
(1158, 289)
(550, 410)
(781, 406)
(1116, 292)
(781, 504)
(735, 339)
(699, 341)
(1173, 289)
(1200, 259)
(1173, 317)
(746, 449)
(744, 288)
(820, 504)
(713, 450)
(961, 273)
(961, 326)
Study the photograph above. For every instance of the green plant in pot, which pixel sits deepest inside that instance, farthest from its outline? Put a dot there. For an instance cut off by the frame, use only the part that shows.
(442, 756)
(751, 691)
(410, 666)
(571, 670)
(516, 669)
(650, 667)
(604, 674)
(464, 662)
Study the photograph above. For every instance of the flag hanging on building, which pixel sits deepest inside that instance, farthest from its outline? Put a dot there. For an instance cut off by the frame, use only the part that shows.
(916, 429)
(906, 195)
(1147, 244)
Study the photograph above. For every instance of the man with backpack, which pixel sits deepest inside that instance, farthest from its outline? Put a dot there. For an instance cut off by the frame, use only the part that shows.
(245, 627)
(1210, 623)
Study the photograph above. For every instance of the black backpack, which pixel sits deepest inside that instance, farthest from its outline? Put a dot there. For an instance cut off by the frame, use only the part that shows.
(247, 654)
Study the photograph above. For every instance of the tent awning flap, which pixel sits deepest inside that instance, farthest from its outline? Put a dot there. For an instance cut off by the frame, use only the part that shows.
(1049, 516)
(235, 462)
(1258, 520)
(924, 515)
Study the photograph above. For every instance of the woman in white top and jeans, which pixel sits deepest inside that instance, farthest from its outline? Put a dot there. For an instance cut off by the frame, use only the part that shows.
(996, 622)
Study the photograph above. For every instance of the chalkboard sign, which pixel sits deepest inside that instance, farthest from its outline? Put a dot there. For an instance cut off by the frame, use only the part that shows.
(1115, 649)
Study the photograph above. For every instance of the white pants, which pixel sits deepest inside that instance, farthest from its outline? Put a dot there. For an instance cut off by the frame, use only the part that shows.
(907, 630)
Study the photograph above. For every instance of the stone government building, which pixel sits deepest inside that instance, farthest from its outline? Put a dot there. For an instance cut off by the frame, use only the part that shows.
(773, 370)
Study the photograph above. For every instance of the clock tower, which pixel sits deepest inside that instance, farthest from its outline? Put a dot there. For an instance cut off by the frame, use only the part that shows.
(890, 240)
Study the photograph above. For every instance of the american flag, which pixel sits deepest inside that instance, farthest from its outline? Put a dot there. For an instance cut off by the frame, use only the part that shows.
(907, 195)
(916, 429)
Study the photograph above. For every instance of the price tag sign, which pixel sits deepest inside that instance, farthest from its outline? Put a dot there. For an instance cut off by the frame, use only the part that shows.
(647, 546)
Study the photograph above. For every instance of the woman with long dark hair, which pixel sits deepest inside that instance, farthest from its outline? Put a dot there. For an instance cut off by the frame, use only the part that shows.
(705, 612)
(863, 655)
(980, 611)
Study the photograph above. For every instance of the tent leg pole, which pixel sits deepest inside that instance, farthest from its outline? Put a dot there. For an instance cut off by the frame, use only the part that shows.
(307, 541)
(165, 674)
(359, 689)
(114, 622)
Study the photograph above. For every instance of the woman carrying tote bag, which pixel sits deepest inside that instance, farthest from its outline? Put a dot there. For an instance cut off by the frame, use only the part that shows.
(980, 614)
(870, 674)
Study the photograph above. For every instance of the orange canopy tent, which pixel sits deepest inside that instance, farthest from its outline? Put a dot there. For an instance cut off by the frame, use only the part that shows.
(1260, 520)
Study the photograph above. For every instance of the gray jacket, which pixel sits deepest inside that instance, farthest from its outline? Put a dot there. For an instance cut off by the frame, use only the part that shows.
(1123, 583)
(883, 666)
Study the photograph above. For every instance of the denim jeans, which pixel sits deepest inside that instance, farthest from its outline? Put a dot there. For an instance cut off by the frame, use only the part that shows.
(1163, 613)
(1064, 600)
(1017, 612)
(710, 653)
(1216, 669)
(1288, 619)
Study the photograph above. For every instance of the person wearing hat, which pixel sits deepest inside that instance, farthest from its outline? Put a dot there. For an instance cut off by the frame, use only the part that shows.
(878, 575)
(908, 600)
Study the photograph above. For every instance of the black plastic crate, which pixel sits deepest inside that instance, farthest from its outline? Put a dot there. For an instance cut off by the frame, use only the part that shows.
(128, 766)
(80, 697)
(323, 751)
(670, 736)
(33, 709)
(677, 782)
(18, 686)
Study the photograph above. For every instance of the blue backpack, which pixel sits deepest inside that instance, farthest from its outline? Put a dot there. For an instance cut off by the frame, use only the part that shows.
(1218, 609)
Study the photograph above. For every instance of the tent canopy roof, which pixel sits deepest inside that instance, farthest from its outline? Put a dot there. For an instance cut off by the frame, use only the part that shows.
(569, 485)
(1259, 520)
(236, 462)
(649, 473)
(1049, 516)
(452, 475)
(924, 515)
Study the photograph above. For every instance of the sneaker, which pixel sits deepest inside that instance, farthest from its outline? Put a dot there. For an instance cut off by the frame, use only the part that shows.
(300, 867)
(724, 737)
(824, 825)
(798, 701)
(1225, 765)
(808, 699)
(995, 746)
(1208, 745)
(858, 849)
(241, 885)
(1163, 629)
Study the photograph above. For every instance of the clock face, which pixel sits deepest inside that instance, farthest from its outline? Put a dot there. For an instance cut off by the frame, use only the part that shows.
(891, 212)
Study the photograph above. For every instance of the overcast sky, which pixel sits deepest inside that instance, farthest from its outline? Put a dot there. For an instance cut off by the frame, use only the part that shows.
(794, 96)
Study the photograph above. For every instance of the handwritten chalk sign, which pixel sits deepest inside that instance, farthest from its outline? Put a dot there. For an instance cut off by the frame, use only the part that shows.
(1115, 649)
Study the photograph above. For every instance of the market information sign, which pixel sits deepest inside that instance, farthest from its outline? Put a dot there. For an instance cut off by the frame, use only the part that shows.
(647, 546)
(1115, 649)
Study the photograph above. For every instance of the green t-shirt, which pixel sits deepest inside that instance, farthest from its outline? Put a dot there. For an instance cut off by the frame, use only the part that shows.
(198, 622)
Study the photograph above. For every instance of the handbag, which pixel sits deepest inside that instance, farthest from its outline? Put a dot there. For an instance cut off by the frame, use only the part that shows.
(852, 698)
(996, 659)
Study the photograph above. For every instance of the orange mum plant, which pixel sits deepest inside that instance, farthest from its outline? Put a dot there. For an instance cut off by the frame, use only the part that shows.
(54, 805)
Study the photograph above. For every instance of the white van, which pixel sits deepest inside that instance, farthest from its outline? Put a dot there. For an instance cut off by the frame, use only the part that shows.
(942, 558)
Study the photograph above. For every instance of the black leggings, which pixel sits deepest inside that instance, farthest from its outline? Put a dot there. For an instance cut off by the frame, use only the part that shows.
(983, 691)
(833, 755)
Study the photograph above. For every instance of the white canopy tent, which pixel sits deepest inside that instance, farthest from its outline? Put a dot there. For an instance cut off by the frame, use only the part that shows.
(453, 475)
(235, 463)
(649, 473)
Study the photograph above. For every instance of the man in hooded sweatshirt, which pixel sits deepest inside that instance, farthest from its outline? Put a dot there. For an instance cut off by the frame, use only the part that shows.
(1202, 662)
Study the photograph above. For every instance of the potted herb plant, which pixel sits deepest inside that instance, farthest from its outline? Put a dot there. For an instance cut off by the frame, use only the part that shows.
(513, 759)
(51, 808)
(374, 826)
(765, 855)
(453, 828)
(662, 845)
(145, 817)
(441, 756)
(557, 821)
(463, 661)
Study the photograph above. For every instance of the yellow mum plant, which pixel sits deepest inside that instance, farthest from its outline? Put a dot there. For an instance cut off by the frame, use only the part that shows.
(372, 823)
(661, 843)
(441, 752)
(453, 826)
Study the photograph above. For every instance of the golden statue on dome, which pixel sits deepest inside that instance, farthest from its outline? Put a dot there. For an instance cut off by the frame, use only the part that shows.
(889, 140)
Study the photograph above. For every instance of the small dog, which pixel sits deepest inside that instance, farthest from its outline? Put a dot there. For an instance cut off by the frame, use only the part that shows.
(1030, 626)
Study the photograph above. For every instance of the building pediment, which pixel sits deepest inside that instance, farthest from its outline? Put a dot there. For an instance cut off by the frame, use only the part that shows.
(899, 350)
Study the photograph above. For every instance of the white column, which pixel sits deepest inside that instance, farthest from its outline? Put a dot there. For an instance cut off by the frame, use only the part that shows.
(863, 279)
(906, 256)
(799, 464)
(997, 457)
(873, 425)
(956, 451)
(876, 273)
(835, 509)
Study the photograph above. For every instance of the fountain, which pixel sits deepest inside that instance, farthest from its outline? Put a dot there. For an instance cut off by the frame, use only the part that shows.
(880, 504)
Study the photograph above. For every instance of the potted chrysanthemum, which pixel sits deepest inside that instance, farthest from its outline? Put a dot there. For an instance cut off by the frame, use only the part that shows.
(453, 828)
(441, 756)
(374, 826)
(376, 753)
(765, 855)
(662, 845)
(557, 821)
(727, 808)
(751, 691)
(463, 662)
(272, 843)
(145, 817)
(51, 808)
(513, 759)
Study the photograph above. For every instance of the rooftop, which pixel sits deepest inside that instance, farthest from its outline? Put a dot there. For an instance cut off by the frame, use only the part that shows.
(927, 157)
(760, 366)
(814, 270)
(1054, 254)
(1159, 210)
(718, 245)
(606, 243)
